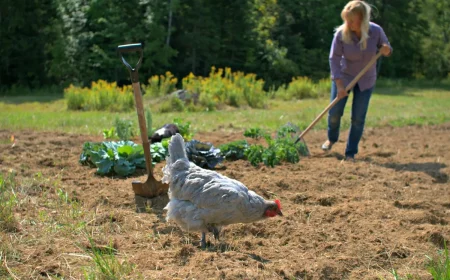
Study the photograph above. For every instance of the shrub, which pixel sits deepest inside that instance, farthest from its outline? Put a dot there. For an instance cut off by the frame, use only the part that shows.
(323, 88)
(172, 104)
(102, 96)
(76, 100)
(304, 87)
(161, 85)
(299, 88)
(224, 87)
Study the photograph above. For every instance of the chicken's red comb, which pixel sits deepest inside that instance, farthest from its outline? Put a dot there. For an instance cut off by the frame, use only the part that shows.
(277, 201)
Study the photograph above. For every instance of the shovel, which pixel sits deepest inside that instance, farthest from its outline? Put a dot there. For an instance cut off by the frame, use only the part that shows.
(150, 188)
(336, 100)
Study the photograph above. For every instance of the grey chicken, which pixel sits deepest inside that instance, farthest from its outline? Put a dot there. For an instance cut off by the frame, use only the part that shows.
(204, 200)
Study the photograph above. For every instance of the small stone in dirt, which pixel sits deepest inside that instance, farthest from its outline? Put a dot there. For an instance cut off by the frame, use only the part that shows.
(300, 198)
(280, 272)
(49, 251)
(47, 162)
(327, 201)
(283, 185)
(50, 270)
(186, 251)
(261, 266)
(438, 239)
(301, 274)
(247, 244)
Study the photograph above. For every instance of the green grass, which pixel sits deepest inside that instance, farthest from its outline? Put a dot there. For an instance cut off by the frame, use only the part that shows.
(8, 200)
(438, 266)
(394, 104)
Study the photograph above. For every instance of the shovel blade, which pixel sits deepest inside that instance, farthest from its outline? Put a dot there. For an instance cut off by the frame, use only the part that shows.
(149, 189)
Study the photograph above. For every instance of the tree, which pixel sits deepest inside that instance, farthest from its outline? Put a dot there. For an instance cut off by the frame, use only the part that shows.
(27, 40)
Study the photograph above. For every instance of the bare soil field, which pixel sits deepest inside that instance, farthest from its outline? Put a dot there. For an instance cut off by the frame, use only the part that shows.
(342, 220)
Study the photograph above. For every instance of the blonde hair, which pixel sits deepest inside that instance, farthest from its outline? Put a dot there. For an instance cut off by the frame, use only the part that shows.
(353, 8)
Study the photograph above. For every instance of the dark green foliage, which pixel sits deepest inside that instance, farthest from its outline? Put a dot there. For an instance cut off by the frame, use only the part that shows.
(282, 148)
(29, 32)
(254, 154)
(234, 150)
(254, 133)
(58, 42)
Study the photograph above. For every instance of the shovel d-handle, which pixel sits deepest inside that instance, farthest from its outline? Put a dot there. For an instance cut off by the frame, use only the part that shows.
(127, 49)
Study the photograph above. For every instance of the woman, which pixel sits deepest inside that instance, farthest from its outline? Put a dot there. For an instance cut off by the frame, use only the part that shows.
(355, 42)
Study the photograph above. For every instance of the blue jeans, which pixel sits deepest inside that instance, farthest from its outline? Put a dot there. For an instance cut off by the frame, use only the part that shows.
(360, 105)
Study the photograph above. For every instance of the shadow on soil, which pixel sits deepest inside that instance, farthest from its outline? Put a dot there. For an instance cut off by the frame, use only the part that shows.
(432, 169)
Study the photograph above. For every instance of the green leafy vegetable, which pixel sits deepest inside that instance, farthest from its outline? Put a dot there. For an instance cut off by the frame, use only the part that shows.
(282, 148)
(184, 128)
(234, 150)
(254, 154)
(121, 158)
(254, 133)
(109, 133)
(158, 152)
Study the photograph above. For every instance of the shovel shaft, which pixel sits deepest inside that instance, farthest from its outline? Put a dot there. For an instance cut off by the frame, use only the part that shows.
(143, 127)
(336, 100)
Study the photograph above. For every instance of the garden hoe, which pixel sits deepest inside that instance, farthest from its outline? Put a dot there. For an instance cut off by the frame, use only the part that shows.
(150, 188)
(336, 100)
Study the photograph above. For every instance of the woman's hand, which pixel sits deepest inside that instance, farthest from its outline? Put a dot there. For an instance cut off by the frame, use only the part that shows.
(341, 92)
(385, 50)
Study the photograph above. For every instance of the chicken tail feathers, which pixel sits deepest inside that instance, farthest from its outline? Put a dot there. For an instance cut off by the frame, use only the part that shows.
(177, 149)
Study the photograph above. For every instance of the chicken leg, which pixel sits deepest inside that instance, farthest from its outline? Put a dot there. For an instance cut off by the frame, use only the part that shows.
(203, 240)
(214, 231)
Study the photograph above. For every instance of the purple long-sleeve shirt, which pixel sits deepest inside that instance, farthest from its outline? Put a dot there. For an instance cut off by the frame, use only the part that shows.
(347, 60)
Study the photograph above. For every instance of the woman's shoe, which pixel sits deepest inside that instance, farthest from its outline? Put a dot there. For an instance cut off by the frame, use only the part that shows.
(327, 145)
(350, 158)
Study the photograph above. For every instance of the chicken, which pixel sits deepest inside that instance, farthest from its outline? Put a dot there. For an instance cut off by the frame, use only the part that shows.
(204, 200)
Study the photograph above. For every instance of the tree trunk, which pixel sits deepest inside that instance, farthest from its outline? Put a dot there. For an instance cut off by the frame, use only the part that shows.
(169, 24)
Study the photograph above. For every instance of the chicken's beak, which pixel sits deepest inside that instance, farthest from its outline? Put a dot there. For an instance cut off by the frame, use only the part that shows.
(279, 212)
